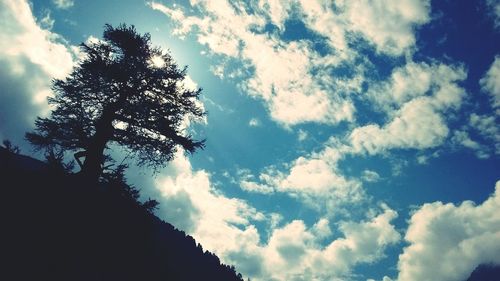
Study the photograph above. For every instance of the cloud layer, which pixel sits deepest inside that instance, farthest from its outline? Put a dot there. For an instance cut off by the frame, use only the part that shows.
(293, 251)
(291, 76)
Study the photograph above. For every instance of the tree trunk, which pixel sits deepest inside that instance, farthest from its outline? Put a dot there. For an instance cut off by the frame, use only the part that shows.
(92, 167)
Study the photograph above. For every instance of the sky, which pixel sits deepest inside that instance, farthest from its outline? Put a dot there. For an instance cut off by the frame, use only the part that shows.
(345, 140)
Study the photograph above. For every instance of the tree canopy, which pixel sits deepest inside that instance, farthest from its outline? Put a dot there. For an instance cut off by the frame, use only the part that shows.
(124, 91)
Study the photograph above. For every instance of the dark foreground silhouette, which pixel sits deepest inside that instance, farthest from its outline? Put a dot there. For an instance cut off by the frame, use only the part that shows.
(485, 272)
(53, 227)
(56, 228)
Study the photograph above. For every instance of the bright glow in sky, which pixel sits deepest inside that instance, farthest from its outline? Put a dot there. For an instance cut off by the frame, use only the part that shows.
(346, 140)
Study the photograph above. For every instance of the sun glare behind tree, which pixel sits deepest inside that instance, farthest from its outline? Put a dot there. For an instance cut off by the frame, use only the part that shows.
(126, 92)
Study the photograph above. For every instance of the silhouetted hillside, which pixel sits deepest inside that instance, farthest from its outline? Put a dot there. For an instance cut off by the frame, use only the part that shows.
(485, 272)
(56, 228)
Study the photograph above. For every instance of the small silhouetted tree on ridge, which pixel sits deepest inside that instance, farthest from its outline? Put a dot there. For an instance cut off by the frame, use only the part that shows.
(126, 92)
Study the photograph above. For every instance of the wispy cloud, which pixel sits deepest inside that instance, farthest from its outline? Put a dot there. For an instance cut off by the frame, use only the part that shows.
(486, 132)
(64, 4)
(370, 176)
(494, 7)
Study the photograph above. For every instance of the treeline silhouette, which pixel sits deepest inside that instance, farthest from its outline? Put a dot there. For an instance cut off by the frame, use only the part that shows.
(485, 272)
(57, 228)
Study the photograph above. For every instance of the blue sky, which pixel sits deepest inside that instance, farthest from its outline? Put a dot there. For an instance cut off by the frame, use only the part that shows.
(346, 140)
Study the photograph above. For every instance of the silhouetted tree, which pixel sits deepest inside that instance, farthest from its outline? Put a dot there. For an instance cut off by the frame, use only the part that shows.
(126, 92)
(54, 157)
(10, 147)
(116, 182)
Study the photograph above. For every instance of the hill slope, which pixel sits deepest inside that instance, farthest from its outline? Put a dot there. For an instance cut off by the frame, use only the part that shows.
(55, 228)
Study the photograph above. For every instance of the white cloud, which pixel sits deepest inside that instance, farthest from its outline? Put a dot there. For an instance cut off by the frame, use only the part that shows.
(494, 6)
(447, 241)
(485, 125)
(22, 38)
(416, 125)
(291, 77)
(254, 122)
(370, 176)
(314, 174)
(486, 134)
(278, 10)
(293, 251)
(302, 135)
(64, 4)
(31, 57)
(387, 24)
(463, 138)
(417, 98)
(315, 179)
(251, 186)
(487, 129)
(47, 22)
(425, 157)
(490, 83)
(202, 210)
(321, 229)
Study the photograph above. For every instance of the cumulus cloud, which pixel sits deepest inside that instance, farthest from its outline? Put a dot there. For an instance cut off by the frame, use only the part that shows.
(417, 98)
(490, 83)
(447, 242)
(315, 179)
(388, 25)
(292, 251)
(416, 125)
(201, 209)
(291, 77)
(30, 56)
